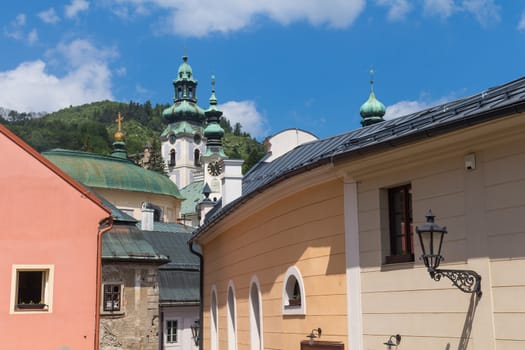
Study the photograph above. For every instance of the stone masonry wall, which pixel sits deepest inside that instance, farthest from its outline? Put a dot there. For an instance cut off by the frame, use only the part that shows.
(136, 325)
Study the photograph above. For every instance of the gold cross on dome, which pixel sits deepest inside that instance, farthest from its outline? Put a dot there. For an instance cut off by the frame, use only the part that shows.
(119, 120)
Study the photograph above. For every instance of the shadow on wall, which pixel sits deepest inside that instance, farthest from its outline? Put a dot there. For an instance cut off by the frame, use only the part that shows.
(467, 327)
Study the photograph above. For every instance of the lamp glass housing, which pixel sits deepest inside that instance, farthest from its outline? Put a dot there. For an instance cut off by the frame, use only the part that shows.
(431, 238)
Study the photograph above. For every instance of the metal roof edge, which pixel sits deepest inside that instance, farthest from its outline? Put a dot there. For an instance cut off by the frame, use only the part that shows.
(470, 120)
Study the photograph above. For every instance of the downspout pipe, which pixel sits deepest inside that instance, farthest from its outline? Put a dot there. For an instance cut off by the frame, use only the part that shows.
(201, 293)
(104, 226)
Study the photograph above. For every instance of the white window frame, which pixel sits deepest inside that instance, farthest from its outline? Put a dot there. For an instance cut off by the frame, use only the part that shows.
(293, 274)
(231, 312)
(214, 321)
(179, 330)
(256, 333)
(119, 312)
(49, 272)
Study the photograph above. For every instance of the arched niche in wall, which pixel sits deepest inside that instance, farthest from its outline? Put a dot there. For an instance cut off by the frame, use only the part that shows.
(214, 320)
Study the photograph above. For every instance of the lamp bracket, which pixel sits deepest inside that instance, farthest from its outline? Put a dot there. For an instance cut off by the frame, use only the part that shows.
(467, 281)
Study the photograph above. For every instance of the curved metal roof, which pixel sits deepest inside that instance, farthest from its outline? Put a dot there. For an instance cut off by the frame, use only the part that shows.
(98, 171)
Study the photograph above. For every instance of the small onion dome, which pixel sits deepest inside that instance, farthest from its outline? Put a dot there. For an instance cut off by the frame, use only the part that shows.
(372, 111)
(213, 131)
(183, 110)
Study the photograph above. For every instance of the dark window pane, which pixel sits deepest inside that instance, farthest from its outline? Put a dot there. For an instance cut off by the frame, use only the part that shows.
(400, 211)
(30, 285)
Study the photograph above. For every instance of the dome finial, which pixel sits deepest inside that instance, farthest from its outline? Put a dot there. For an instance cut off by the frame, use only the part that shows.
(119, 146)
(371, 72)
(213, 99)
(119, 135)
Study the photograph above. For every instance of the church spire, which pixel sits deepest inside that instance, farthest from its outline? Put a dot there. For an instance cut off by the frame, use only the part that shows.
(184, 106)
(372, 111)
(213, 131)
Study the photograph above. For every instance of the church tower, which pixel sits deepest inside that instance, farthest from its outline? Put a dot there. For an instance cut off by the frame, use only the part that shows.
(214, 156)
(182, 140)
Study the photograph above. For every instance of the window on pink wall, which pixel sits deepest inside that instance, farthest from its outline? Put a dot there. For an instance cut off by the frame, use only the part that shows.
(31, 288)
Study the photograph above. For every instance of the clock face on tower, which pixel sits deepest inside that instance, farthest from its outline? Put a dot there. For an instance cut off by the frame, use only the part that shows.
(215, 168)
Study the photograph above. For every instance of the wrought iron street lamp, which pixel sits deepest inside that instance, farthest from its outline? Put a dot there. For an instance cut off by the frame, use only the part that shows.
(431, 238)
(195, 332)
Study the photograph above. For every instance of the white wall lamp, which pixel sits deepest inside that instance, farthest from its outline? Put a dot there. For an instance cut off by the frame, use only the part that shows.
(390, 343)
(315, 333)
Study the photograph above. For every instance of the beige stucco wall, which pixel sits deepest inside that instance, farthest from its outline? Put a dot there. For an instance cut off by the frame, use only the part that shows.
(302, 224)
(304, 230)
(128, 200)
(482, 209)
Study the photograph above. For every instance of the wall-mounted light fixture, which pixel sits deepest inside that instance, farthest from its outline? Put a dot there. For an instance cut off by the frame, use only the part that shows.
(431, 238)
(315, 333)
(390, 343)
(195, 332)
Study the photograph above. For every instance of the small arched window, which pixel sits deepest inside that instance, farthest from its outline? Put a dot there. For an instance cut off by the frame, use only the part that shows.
(293, 295)
(172, 158)
(197, 157)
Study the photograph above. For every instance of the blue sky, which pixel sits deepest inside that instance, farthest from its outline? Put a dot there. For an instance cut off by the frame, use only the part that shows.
(278, 63)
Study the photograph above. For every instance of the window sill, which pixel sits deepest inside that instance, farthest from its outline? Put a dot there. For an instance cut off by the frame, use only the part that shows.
(31, 308)
(398, 259)
(113, 313)
(293, 310)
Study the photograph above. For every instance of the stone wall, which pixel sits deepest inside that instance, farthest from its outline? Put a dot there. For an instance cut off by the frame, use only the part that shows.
(136, 325)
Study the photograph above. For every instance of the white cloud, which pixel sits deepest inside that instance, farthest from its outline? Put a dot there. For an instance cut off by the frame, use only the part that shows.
(402, 108)
(49, 16)
(200, 17)
(398, 9)
(521, 24)
(245, 113)
(32, 37)
(15, 30)
(486, 12)
(75, 7)
(31, 88)
(442, 8)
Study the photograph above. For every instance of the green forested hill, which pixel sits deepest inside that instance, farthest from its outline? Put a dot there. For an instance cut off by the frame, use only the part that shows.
(90, 128)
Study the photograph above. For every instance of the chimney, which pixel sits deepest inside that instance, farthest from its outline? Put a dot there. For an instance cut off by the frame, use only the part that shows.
(146, 223)
(232, 180)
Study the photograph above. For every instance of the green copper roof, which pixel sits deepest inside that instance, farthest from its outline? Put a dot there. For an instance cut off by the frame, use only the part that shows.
(126, 242)
(183, 110)
(185, 72)
(183, 127)
(193, 195)
(98, 171)
(372, 107)
(372, 110)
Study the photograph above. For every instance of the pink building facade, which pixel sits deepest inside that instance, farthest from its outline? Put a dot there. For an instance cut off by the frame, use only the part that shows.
(50, 260)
